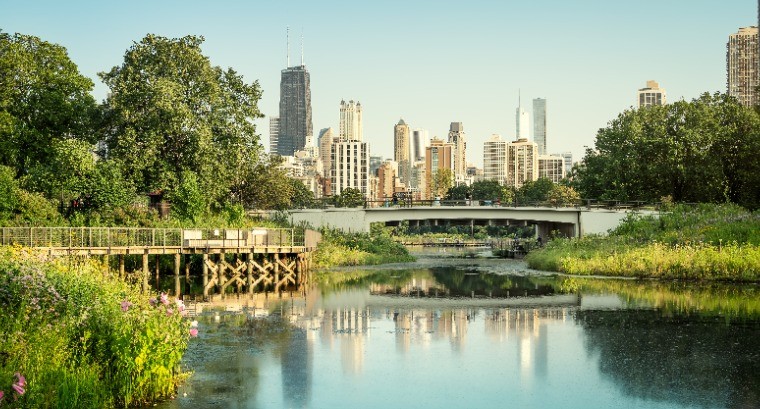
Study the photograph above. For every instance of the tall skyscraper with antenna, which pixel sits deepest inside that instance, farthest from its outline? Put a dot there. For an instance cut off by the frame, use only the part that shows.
(295, 107)
(539, 124)
(522, 119)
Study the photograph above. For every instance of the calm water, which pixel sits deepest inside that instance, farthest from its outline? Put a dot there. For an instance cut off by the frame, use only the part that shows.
(475, 333)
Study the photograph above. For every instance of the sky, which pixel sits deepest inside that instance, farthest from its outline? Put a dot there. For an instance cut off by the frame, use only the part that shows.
(428, 62)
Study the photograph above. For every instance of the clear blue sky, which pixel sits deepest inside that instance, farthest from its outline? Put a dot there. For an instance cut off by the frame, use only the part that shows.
(428, 62)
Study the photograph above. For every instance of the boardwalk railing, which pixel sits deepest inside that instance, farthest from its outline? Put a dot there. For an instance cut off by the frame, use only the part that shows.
(131, 237)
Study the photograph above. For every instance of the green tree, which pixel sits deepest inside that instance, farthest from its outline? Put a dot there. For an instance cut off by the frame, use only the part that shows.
(562, 195)
(9, 192)
(491, 190)
(170, 112)
(188, 201)
(302, 197)
(43, 99)
(460, 192)
(265, 185)
(106, 186)
(349, 197)
(441, 182)
(534, 191)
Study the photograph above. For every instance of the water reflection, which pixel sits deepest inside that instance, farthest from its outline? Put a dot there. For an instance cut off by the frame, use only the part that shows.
(460, 338)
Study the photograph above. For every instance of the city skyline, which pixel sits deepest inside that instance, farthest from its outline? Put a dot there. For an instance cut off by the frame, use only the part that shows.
(587, 65)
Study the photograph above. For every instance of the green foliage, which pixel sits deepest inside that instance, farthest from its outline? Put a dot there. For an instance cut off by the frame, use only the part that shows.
(701, 242)
(171, 112)
(9, 191)
(349, 197)
(490, 190)
(700, 151)
(188, 201)
(351, 249)
(534, 191)
(302, 197)
(561, 195)
(267, 186)
(441, 182)
(107, 187)
(461, 192)
(63, 327)
(43, 99)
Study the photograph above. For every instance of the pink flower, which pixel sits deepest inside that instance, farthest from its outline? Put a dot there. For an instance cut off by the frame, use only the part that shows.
(125, 305)
(1, 395)
(193, 332)
(21, 379)
(169, 312)
(153, 301)
(16, 387)
(164, 299)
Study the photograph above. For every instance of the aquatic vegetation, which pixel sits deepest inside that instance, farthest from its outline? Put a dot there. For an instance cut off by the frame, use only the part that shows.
(82, 339)
(353, 249)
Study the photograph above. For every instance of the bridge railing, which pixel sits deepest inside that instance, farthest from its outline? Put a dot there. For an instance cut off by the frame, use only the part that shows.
(111, 237)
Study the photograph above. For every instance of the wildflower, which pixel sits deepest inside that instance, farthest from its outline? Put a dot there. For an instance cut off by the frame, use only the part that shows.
(21, 379)
(1, 396)
(193, 332)
(169, 312)
(180, 305)
(153, 301)
(194, 324)
(125, 305)
(20, 383)
(164, 299)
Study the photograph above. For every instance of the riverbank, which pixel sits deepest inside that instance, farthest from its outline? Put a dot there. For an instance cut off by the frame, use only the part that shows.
(81, 338)
(703, 242)
(355, 249)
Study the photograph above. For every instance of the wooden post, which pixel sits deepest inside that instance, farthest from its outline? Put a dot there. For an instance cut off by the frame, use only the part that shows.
(205, 275)
(145, 272)
(176, 274)
(187, 268)
(158, 259)
(106, 265)
(276, 270)
(249, 262)
(220, 271)
(121, 266)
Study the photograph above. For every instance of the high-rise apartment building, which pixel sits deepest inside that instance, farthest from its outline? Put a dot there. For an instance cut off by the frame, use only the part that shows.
(351, 121)
(568, 158)
(495, 159)
(539, 124)
(386, 176)
(401, 150)
(652, 94)
(457, 140)
(438, 156)
(419, 142)
(350, 167)
(274, 133)
(742, 65)
(295, 110)
(551, 167)
(522, 162)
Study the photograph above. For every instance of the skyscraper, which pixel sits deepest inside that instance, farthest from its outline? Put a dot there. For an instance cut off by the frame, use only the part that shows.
(522, 123)
(419, 143)
(274, 133)
(295, 110)
(495, 159)
(350, 167)
(539, 124)
(652, 94)
(522, 162)
(457, 140)
(351, 121)
(551, 167)
(439, 156)
(401, 150)
(742, 65)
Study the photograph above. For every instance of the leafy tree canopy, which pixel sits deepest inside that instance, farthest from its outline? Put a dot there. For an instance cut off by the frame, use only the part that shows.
(43, 99)
(170, 111)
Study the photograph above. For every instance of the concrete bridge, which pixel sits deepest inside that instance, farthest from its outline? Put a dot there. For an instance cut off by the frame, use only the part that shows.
(572, 222)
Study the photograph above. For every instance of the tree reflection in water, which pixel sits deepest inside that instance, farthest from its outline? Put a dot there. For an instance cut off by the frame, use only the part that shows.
(691, 360)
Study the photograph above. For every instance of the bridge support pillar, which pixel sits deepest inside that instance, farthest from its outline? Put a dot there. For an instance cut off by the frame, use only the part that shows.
(249, 272)
(176, 274)
(145, 272)
(205, 275)
(220, 273)
(121, 266)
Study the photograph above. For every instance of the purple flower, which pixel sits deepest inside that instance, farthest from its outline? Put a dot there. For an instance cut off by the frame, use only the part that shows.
(21, 379)
(125, 305)
(164, 299)
(153, 301)
(193, 332)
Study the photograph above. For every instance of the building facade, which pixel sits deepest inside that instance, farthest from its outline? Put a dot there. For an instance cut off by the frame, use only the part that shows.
(351, 121)
(439, 156)
(295, 124)
(522, 128)
(539, 124)
(522, 162)
(458, 141)
(742, 65)
(419, 142)
(349, 161)
(274, 133)
(386, 175)
(495, 159)
(551, 167)
(652, 94)
(401, 150)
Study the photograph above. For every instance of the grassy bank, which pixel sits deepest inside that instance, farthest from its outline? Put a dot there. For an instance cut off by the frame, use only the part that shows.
(354, 249)
(704, 242)
(81, 339)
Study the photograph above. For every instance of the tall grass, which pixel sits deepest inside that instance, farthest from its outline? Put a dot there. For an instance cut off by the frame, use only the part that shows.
(705, 242)
(63, 327)
(353, 249)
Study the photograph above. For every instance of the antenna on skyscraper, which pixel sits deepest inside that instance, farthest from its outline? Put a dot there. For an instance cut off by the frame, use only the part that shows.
(287, 39)
(519, 99)
(302, 46)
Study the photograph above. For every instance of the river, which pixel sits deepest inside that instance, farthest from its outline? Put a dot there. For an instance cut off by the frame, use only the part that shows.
(449, 332)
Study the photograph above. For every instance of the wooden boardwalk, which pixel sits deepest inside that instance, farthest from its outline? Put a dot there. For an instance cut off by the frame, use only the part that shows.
(263, 258)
